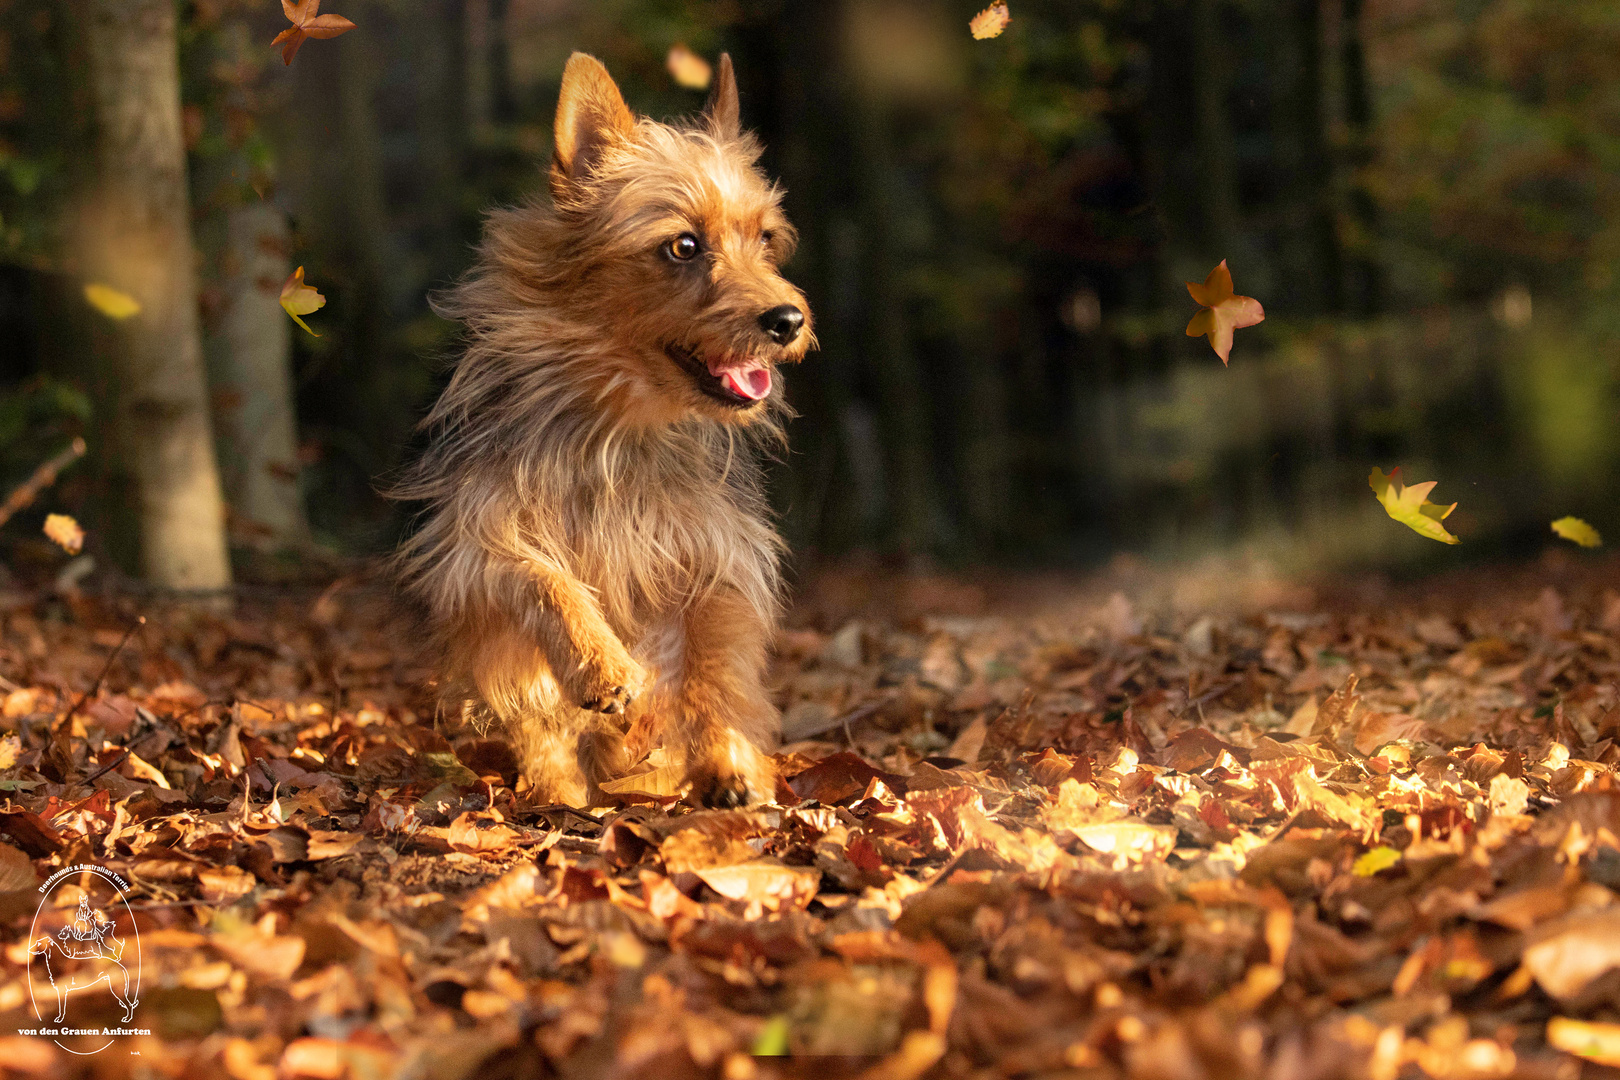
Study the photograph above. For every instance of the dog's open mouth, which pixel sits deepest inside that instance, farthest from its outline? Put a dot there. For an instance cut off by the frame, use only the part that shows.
(730, 382)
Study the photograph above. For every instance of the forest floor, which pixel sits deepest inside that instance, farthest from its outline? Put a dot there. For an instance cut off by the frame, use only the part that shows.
(1168, 827)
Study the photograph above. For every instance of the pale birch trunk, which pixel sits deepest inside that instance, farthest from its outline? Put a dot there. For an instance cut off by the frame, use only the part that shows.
(257, 426)
(137, 239)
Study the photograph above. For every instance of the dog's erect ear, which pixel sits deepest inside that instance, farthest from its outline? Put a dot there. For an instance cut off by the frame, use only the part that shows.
(591, 114)
(724, 114)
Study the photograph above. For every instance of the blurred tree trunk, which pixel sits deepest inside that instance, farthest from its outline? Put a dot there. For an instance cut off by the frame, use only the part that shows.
(1312, 265)
(1211, 81)
(253, 384)
(903, 400)
(359, 214)
(442, 121)
(477, 73)
(137, 238)
(1366, 276)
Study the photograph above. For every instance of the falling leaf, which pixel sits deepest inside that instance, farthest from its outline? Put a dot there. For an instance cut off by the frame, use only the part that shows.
(1410, 505)
(1599, 1043)
(63, 530)
(111, 302)
(300, 299)
(1573, 528)
(1374, 861)
(687, 68)
(990, 22)
(1223, 311)
(307, 23)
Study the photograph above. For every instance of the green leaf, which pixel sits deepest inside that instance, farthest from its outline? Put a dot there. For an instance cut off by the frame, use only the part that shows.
(1379, 858)
(773, 1038)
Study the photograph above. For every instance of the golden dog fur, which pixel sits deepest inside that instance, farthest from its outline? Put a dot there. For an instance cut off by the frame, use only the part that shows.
(596, 551)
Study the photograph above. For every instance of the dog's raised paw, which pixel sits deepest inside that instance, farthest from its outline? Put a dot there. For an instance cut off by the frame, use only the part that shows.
(726, 793)
(614, 699)
(611, 685)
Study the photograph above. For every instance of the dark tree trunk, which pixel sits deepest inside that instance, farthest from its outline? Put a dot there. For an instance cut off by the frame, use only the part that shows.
(1366, 287)
(1211, 83)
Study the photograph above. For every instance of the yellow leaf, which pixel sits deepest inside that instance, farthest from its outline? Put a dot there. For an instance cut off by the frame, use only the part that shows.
(1411, 506)
(663, 782)
(990, 22)
(688, 69)
(300, 299)
(1573, 528)
(110, 302)
(65, 531)
(772, 1040)
(1379, 858)
(1223, 311)
(1594, 1042)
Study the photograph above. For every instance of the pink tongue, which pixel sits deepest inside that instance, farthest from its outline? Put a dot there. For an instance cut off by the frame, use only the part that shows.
(752, 383)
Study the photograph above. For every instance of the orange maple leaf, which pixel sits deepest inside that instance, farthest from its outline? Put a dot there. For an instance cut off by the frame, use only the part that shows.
(1223, 312)
(307, 23)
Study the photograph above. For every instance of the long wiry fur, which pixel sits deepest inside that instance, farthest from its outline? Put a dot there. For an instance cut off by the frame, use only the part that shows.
(591, 516)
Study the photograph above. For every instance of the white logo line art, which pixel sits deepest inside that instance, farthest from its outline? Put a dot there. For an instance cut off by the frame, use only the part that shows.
(92, 946)
(89, 937)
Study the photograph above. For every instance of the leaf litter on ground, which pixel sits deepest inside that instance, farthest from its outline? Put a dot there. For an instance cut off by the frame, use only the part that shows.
(1355, 834)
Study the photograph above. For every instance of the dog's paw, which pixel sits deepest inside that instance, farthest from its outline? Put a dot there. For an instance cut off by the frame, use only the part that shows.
(610, 699)
(736, 776)
(611, 686)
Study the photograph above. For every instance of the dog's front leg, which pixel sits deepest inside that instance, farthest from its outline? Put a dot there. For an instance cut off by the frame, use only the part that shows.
(589, 662)
(723, 720)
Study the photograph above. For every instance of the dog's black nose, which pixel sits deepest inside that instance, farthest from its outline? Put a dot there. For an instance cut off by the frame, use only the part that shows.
(782, 323)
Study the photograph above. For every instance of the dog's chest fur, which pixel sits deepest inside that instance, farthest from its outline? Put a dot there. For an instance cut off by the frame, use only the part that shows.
(655, 522)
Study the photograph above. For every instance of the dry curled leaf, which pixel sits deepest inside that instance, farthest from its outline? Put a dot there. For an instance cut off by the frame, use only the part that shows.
(307, 22)
(300, 299)
(1410, 505)
(1223, 311)
(990, 22)
(687, 68)
(65, 532)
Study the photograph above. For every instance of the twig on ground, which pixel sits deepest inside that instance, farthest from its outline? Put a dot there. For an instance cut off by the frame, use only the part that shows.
(95, 687)
(99, 773)
(62, 730)
(43, 477)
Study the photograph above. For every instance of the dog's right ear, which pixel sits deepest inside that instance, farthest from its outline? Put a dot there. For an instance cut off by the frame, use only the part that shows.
(591, 115)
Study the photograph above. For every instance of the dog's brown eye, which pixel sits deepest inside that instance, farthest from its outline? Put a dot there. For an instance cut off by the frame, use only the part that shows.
(683, 248)
(766, 237)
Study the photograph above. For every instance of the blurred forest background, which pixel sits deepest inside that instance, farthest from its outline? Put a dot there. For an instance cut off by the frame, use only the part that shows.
(1425, 195)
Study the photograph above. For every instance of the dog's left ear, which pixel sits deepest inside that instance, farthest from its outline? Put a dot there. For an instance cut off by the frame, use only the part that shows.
(724, 114)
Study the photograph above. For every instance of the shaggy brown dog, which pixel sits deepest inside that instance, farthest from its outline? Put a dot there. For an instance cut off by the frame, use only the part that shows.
(596, 550)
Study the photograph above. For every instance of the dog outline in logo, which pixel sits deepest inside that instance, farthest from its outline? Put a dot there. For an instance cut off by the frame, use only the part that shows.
(90, 936)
